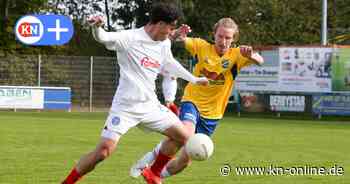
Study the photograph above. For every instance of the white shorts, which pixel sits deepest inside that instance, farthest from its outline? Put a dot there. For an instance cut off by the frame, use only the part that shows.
(156, 117)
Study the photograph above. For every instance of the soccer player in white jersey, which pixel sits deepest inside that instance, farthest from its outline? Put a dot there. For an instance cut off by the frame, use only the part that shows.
(203, 106)
(142, 54)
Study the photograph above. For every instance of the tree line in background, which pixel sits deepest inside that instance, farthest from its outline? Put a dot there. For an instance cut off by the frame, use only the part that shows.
(268, 22)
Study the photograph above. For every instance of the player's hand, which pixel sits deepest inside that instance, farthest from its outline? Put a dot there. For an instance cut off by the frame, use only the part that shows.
(202, 81)
(246, 51)
(173, 107)
(180, 33)
(95, 21)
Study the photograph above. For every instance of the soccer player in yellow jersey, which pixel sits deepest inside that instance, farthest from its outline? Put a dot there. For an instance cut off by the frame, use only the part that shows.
(203, 106)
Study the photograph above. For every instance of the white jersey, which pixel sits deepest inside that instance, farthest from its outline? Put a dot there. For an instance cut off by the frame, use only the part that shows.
(140, 61)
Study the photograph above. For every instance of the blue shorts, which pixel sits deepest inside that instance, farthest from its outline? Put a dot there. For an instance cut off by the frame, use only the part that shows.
(189, 112)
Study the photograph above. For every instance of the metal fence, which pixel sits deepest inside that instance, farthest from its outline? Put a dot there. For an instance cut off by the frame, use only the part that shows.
(92, 79)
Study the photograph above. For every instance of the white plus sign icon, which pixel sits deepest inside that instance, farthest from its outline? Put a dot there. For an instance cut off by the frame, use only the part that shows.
(57, 29)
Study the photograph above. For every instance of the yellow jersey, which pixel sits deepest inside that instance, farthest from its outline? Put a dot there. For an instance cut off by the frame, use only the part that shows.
(221, 71)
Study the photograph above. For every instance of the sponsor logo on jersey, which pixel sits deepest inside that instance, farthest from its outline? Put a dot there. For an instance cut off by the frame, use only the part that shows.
(149, 63)
(214, 77)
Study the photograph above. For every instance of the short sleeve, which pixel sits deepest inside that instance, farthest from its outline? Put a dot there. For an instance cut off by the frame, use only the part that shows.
(190, 45)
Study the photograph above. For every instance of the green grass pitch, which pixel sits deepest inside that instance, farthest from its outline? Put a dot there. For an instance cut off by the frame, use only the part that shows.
(42, 147)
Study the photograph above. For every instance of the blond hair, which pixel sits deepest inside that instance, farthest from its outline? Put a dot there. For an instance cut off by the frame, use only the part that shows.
(228, 23)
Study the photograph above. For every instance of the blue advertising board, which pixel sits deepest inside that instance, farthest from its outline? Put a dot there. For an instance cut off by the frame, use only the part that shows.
(331, 104)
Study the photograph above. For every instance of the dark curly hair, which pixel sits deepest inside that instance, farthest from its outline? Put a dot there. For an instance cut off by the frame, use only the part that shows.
(166, 12)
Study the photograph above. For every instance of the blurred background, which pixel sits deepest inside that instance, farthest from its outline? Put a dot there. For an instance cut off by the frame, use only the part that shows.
(306, 76)
(287, 33)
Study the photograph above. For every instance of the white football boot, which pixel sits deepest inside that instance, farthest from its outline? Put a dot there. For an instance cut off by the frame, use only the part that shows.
(145, 161)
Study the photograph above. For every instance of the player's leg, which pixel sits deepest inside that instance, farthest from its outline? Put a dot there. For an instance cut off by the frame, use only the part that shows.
(111, 133)
(189, 115)
(88, 162)
(150, 157)
(183, 160)
(145, 161)
(187, 109)
(205, 126)
(169, 147)
(167, 123)
(177, 138)
(103, 150)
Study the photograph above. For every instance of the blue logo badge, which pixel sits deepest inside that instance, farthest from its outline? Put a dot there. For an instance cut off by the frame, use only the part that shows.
(115, 121)
(44, 29)
(225, 63)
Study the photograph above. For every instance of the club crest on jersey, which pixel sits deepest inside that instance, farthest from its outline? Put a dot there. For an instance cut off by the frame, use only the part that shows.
(225, 63)
(115, 121)
(149, 63)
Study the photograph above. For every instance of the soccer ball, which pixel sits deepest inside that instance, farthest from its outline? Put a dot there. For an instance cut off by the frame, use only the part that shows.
(199, 147)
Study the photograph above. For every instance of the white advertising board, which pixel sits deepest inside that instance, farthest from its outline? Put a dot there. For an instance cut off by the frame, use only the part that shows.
(305, 69)
(21, 98)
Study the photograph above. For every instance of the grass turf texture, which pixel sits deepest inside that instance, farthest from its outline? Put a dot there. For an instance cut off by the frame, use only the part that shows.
(43, 147)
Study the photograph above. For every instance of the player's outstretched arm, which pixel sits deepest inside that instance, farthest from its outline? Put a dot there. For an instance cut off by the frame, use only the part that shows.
(174, 68)
(248, 52)
(100, 35)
